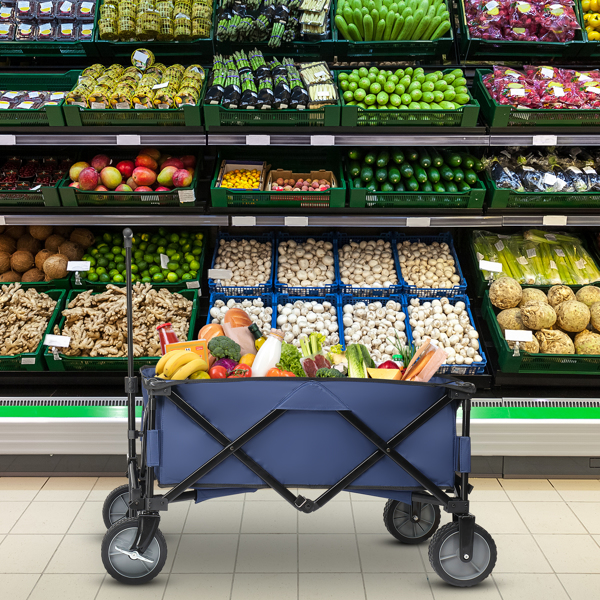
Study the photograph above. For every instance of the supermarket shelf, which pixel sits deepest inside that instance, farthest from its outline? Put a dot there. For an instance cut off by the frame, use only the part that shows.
(538, 136)
(573, 220)
(82, 218)
(363, 221)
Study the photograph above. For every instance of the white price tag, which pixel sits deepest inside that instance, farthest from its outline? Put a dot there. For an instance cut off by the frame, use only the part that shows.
(550, 178)
(559, 252)
(322, 140)
(2, 221)
(8, 140)
(128, 140)
(28, 360)
(486, 265)
(140, 56)
(559, 220)
(295, 221)
(544, 140)
(220, 274)
(553, 266)
(522, 260)
(594, 90)
(36, 188)
(547, 73)
(164, 261)
(517, 335)
(418, 222)
(243, 221)
(531, 253)
(517, 92)
(59, 341)
(160, 86)
(499, 245)
(258, 140)
(192, 285)
(187, 196)
(580, 264)
(78, 265)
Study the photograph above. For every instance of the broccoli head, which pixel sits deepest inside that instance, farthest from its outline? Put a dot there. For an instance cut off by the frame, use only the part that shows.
(223, 347)
(328, 373)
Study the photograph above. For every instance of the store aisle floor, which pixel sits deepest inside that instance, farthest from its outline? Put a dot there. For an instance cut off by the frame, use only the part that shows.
(246, 548)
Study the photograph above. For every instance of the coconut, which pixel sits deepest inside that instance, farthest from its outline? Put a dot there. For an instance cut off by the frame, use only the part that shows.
(10, 277)
(533, 294)
(595, 315)
(55, 267)
(538, 315)
(71, 250)
(554, 341)
(63, 231)
(15, 231)
(532, 347)
(7, 244)
(510, 319)
(40, 232)
(505, 293)
(588, 295)
(587, 342)
(558, 294)
(29, 243)
(83, 237)
(21, 261)
(4, 262)
(572, 316)
(40, 258)
(33, 275)
(53, 242)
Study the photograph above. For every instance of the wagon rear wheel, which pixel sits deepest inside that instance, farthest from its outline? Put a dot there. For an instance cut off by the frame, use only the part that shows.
(410, 528)
(116, 506)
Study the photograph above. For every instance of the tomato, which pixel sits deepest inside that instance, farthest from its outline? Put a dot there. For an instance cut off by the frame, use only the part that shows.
(241, 371)
(287, 374)
(218, 372)
(274, 372)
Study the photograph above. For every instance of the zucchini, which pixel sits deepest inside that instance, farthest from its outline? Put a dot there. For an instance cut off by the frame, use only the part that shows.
(383, 158)
(354, 154)
(412, 185)
(398, 23)
(424, 158)
(366, 174)
(470, 177)
(459, 174)
(467, 160)
(463, 186)
(420, 173)
(452, 159)
(400, 187)
(446, 173)
(411, 154)
(394, 175)
(426, 187)
(436, 158)
(370, 158)
(354, 168)
(348, 15)
(439, 187)
(406, 170)
(477, 164)
(368, 27)
(342, 26)
(358, 21)
(354, 33)
(371, 187)
(357, 183)
(386, 186)
(450, 187)
(379, 31)
(381, 175)
(398, 156)
(433, 175)
(390, 19)
(406, 27)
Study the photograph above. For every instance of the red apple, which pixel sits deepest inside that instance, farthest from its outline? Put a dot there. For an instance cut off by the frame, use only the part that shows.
(76, 169)
(111, 177)
(189, 161)
(172, 162)
(88, 179)
(126, 168)
(143, 188)
(100, 161)
(153, 152)
(143, 176)
(182, 178)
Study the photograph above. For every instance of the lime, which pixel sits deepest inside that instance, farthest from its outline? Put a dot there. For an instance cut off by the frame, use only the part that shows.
(151, 249)
(94, 252)
(172, 246)
(416, 95)
(179, 272)
(111, 265)
(104, 249)
(176, 257)
(165, 272)
(194, 274)
(172, 266)
(146, 280)
(142, 265)
(135, 269)
(199, 236)
(104, 278)
(154, 269)
(170, 252)
(161, 250)
(162, 231)
(375, 88)
(138, 255)
(110, 256)
(93, 277)
(116, 249)
(348, 96)
(101, 270)
(145, 273)
(113, 272)
(107, 238)
(103, 261)
(143, 246)
(370, 99)
(364, 83)
(185, 268)
(359, 95)
(118, 278)
(194, 265)
(187, 277)
(149, 258)
(382, 98)
(162, 241)
(119, 259)
(171, 277)
(197, 251)
(186, 247)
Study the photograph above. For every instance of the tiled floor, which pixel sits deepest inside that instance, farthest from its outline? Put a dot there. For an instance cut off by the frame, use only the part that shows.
(242, 548)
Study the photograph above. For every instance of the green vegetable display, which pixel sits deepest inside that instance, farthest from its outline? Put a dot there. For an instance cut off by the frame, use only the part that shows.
(334, 373)
(312, 344)
(391, 20)
(404, 89)
(359, 360)
(290, 360)
(223, 347)
(413, 170)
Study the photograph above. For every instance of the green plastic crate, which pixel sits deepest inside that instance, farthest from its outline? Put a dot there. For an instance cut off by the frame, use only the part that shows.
(332, 198)
(477, 49)
(32, 361)
(45, 196)
(423, 50)
(353, 116)
(52, 82)
(555, 364)
(46, 286)
(102, 363)
(497, 115)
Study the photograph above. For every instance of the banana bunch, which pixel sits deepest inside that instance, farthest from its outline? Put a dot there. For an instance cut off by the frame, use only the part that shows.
(181, 364)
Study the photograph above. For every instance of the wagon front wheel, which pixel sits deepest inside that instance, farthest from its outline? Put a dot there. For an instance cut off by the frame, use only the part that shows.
(406, 525)
(444, 556)
(116, 506)
(129, 566)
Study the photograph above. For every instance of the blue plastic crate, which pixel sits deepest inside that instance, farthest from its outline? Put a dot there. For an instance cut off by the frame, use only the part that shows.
(335, 299)
(413, 290)
(344, 238)
(284, 288)
(348, 299)
(474, 369)
(214, 285)
(267, 298)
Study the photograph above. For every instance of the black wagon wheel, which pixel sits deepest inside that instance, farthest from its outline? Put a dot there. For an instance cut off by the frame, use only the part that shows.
(444, 556)
(127, 566)
(407, 528)
(116, 506)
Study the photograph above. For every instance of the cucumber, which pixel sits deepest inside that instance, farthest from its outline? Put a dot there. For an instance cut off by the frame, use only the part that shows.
(411, 154)
(398, 23)
(420, 173)
(467, 160)
(394, 175)
(426, 187)
(470, 177)
(354, 168)
(424, 158)
(452, 159)
(383, 158)
(406, 170)
(366, 174)
(358, 21)
(446, 173)
(439, 187)
(342, 26)
(357, 183)
(387, 187)
(370, 158)
(412, 185)
(381, 175)
(450, 187)
(354, 33)
(398, 156)
(463, 186)
(390, 19)
(459, 174)
(436, 158)
(371, 187)
(380, 30)
(354, 154)
(400, 187)
(368, 27)
(433, 174)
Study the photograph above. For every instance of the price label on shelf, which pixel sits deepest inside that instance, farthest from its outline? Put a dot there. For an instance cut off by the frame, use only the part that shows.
(192, 285)
(559, 220)
(486, 265)
(2, 221)
(220, 274)
(187, 196)
(78, 265)
(258, 140)
(544, 140)
(164, 261)
(59, 341)
(28, 360)
(243, 221)
(322, 140)
(295, 221)
(8, 140)
(517, 335)
(418, 222)
(129, 140)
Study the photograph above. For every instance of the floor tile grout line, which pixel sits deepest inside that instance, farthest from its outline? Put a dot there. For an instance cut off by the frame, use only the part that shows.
(298, 551)
(101, 584)
(362, 574)
(34, 585)
(237, 549)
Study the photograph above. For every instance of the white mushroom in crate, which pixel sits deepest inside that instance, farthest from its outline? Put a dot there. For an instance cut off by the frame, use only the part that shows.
(248, 260)
(303, 317)
(428, 265)
(367, 264)
(377, 325)
(447, 323)
(306, 264)
(259, 313)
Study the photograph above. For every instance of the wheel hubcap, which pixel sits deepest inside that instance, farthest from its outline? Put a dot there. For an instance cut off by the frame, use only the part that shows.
(455, 567)
(413, 527)
(128, 563)
(119, 508)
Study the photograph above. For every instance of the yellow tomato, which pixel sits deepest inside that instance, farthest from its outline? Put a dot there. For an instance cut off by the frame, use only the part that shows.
(594, 5)
(585, 4)
(594, 36)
